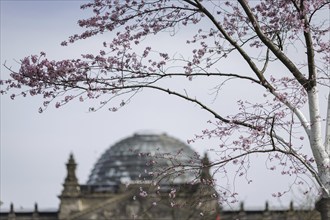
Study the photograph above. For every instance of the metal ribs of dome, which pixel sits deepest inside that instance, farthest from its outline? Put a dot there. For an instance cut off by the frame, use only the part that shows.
(139, 158)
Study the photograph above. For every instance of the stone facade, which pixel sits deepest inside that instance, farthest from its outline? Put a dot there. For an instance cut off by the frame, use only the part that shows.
(104, 197)
(135, 201)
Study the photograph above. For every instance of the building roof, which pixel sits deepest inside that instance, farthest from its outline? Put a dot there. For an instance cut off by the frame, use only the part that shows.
(142, 157)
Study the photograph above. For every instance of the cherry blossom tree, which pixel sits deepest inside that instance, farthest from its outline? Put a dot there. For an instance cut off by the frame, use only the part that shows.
(284, 49)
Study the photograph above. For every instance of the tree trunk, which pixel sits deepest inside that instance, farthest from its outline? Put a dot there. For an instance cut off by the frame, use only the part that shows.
(323, 206)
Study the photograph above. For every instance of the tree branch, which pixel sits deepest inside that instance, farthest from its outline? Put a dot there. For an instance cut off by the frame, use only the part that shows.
(246, 57)
(277, 52)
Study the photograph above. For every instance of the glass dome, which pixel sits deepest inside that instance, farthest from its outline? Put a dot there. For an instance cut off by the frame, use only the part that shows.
(144, 157)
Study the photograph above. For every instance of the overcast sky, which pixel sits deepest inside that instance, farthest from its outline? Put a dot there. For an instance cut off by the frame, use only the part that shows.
(35, 147)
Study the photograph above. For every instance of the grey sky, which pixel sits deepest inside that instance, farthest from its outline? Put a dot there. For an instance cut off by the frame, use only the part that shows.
(35, 147)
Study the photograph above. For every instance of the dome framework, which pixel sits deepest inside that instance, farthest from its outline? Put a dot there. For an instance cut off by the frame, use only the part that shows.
(146, 157)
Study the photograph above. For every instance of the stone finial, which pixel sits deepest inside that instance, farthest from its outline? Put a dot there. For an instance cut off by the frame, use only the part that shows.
(267, 214)
(291, 206)
(35, 207)
(11, 214)
(71, 186)
(266, 206)
(71, 169)
(70, 201)
(205, 173)
(12, 208)
(241, 214)
(291, 215)
(35, 214)
(241, 206)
